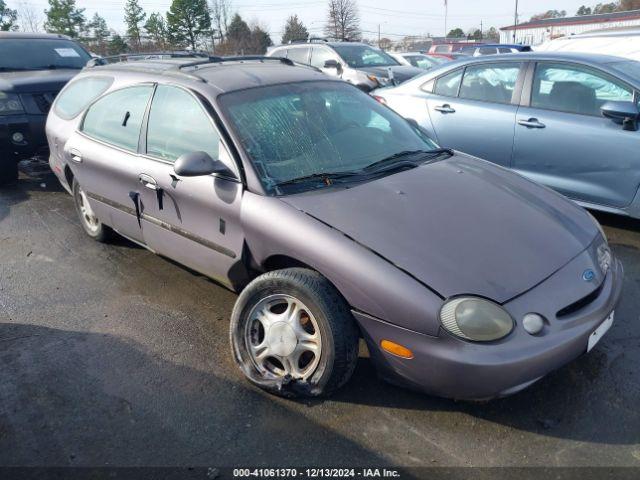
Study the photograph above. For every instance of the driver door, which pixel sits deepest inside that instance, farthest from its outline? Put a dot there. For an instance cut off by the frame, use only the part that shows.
(193, 220)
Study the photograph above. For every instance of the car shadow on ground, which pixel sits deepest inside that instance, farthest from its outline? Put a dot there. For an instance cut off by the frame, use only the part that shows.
(77, 398)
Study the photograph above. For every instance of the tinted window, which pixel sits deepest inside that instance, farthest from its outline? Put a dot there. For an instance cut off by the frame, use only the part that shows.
(359, 56)
(320, 55)
(79, 94)
(178, 124)
(442, 49)
(300, 54)
(300, 129)
(504, 50)
(447, 85)
(468, 50)
(116, 118)
(40, 54)
(490, 83)
(575, 89)
(487, 50)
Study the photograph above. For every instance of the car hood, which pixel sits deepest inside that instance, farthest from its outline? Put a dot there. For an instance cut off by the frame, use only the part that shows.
(400, 72)
(34, 81)
(460, 226)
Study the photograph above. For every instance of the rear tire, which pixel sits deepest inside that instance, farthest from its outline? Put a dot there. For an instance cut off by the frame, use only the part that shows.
(293, 334)
(90, 223)
(8, 171)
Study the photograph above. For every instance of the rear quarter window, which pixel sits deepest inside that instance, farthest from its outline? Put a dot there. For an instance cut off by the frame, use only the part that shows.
(79, 94)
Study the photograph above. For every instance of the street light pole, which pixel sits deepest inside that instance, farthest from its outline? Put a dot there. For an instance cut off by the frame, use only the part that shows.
(515, 23)
(446, 11)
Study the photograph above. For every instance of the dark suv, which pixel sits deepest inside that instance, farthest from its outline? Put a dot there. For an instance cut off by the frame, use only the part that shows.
(33, 69)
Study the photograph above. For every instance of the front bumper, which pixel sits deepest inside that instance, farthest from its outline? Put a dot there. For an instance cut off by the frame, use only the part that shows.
(450, 367)
(32, 127)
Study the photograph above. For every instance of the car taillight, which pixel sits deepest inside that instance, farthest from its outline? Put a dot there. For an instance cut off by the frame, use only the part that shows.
(380, 99)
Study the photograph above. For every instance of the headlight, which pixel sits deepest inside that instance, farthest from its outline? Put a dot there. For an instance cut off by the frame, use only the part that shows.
(604, 257)
(379, 80)
(475, 319)
(595, 220)
(10, 104)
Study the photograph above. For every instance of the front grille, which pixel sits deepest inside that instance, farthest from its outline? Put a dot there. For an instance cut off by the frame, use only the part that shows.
(44, 100)
(580, 304)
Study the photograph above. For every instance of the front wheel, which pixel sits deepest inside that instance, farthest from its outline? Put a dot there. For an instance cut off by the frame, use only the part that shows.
(293, 334)
(88, 219)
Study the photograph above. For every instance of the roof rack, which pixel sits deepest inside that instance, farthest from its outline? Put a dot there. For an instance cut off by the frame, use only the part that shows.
(125, 57)
(239, 58)
(308, 40)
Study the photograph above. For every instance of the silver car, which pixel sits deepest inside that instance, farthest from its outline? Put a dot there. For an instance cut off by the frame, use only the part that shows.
(566, 120)
(335, 219)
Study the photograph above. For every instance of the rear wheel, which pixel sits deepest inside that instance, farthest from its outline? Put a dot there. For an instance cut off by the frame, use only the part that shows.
(8, 171)
(293, 334)
(90, 223)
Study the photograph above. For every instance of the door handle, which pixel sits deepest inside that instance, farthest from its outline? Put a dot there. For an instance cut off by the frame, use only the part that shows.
(148, 181)
(446, 108)
(531, 123)
(76, 156)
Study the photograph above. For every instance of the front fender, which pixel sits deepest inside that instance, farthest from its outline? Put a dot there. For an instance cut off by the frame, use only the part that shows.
(367, 281)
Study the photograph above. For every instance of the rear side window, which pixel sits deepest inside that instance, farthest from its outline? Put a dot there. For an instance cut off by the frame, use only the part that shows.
(574, 89)
(300, 55)
(79, 94)
(490, 83)
(442, 49)
(320, 55)
(487, 50)
(504, 50)
(447, 85)
(117, 117)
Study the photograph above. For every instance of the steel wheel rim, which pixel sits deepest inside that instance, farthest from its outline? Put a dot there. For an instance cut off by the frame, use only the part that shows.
(283, 338)
(86, 212)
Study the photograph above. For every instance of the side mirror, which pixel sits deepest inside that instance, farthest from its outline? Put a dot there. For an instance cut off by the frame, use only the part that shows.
(622, 113)
(333, 64)
(196, 164)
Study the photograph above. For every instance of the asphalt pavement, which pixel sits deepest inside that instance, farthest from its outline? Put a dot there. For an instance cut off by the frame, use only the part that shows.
(111, 355)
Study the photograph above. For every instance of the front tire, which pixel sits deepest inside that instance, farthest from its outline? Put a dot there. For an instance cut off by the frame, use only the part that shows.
(90, 223)
(293, 334)
(8, 171)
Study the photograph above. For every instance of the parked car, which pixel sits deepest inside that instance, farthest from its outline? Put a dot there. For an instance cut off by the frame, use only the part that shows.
(451, 47)
(447, 57)
(619, 42)
(362, 65)
(568, 121)
(33, 69)
(494, 49)
(417, 59)
(334, 217)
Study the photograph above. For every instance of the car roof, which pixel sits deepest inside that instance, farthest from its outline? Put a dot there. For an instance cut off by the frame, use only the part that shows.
(28, 35)
(223, 76)
(592, 58)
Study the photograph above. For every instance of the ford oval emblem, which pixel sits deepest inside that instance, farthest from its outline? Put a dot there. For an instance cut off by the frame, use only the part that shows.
(588, 275)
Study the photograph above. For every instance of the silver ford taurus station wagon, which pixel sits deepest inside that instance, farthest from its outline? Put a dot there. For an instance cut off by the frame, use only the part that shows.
(335, 219)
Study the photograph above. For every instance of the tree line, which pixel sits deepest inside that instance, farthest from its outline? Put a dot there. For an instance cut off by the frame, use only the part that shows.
(188, 24)
(611, 7)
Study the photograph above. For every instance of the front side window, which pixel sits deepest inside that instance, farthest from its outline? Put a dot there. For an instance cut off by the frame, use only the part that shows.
(40, 54)
(117, 117)
(361, 56)
(320, 55)
(300, 129)
(79, 94)
(178, 124)
(300, 54)
(575, 89)
(490, 83)
(448, 85)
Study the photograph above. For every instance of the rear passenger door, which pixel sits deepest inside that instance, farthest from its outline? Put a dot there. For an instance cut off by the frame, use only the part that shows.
(193, 220)
(563, 141)
(474, 109)
(103, 157)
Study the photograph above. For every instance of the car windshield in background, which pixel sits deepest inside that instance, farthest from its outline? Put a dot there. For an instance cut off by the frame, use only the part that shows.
(308, 129)
(359, 56)
(40, 54)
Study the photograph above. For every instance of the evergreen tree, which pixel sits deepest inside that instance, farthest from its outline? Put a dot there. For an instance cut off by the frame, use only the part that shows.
(117, 45)
(260, 40)
(239, 35)
(294, 30)
(134, 15)
(188, 21)
(64, 17)
(156, 27)
(8, 17)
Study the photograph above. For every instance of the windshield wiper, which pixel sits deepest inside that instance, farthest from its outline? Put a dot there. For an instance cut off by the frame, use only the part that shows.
(422, 155)
(328, 178)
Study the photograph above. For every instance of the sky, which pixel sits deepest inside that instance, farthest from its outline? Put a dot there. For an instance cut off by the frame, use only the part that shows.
(396, 18)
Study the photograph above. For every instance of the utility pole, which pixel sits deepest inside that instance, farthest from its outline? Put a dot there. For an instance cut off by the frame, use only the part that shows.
(515, 23)
(446, 11)
(481, 35)
(378, 35)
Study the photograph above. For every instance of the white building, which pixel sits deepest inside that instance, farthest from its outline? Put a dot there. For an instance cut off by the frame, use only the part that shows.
(540, 31)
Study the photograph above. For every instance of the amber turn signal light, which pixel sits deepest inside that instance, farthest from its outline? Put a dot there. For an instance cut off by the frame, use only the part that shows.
(396, 349)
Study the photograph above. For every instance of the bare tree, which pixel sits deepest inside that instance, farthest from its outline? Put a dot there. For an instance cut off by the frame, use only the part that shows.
(29, 18)
(343, 21)
(220, 16)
